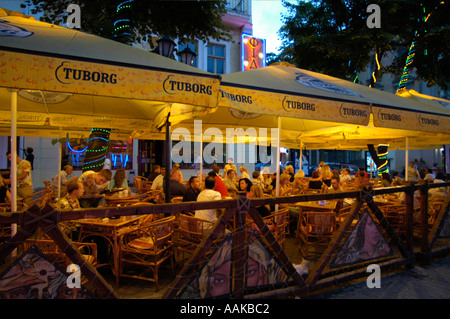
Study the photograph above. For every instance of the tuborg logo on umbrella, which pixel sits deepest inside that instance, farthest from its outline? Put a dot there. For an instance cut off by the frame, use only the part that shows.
(65, 75)
(383, 116)
(425, 121)
(172, 86)
(347, 111)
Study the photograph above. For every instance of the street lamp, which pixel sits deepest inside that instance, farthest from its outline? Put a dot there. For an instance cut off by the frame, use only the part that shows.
(187, 56)
(165, 46)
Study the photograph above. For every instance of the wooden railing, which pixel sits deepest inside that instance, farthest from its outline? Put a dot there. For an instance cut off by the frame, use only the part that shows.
(235, 211)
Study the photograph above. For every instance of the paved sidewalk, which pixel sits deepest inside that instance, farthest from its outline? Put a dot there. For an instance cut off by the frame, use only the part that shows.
(421, 282)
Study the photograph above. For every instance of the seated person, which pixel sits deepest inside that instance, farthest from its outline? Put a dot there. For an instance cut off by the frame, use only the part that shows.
(256, 179)
(244, 185)
(290, 171)
(193, 190)
(440, 192)
(285, 186)
(326, 175)
(361, 179)
(315, 182)
(335, 185)
(155, 172)
(345, 175)
(429, 176)
(159, 180)
(75, 190)
(5, 195)
(208, 194)
(94, 183)
(396, 177)
(299, 183)
(120, 181)
(176, 188)
(229, 166)
(230, 181)
(220, 185)
(256, 192)
(267, 180)
(66, 177)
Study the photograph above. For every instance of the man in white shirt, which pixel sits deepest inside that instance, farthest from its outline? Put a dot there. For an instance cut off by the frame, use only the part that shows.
(345, 175)
(208, 194)
(158, 182)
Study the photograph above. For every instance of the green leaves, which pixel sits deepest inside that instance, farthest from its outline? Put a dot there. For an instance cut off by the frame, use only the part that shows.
(332, 37)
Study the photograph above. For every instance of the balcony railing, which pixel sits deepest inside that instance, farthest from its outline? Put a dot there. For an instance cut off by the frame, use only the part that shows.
(239, 6)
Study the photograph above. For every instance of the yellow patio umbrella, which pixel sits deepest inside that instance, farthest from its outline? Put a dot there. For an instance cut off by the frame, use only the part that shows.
(315, 111)
(54, 77)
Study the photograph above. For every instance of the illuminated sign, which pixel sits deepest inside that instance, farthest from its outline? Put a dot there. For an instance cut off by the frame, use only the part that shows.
(253, 52)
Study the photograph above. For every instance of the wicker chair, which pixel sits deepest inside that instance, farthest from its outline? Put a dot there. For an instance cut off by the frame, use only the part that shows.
(50, 249)
(138, 184)
(40, 198)
(316, 229)
(396, 217)
(191, 231)
(280, 222)
(145, 249)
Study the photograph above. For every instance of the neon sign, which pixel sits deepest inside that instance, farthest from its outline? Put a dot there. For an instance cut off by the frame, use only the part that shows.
(253, 52)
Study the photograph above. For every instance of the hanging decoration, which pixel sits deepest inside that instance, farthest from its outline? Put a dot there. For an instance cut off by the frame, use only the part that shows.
(98, 144)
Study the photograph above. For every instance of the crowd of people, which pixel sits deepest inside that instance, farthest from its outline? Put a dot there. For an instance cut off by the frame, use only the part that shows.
(232, 181)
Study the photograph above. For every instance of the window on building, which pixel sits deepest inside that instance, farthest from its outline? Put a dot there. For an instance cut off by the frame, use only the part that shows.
(216, 58)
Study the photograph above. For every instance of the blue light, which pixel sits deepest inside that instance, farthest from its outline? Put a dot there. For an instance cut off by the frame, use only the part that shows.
(70, 147)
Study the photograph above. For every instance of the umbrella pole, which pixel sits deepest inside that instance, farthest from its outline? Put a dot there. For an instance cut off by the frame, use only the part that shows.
(278, 161)
(406, 158)
(59, 163)
(13, 172)
(168, 161)
(300, 158)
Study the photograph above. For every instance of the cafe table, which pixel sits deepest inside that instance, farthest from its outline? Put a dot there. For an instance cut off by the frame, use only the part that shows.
(122, 199)
(111, 230)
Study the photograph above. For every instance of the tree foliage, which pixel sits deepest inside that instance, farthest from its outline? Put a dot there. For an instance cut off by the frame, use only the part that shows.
(183, 20)
(333, 37)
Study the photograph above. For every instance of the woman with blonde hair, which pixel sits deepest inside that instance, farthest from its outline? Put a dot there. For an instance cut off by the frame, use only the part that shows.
(285, 187)
(176, 170)
(326, 175)
(244, 172)
(257, 192)
(290, 171)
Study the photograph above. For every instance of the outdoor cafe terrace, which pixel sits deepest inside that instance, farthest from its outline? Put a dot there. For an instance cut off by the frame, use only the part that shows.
(241, 256)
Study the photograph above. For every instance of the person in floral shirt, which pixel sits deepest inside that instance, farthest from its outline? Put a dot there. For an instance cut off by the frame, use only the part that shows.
(75, 190)
(24, 182)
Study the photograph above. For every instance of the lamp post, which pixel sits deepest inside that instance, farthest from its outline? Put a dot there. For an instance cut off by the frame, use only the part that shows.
(165, 46)
(187, 56)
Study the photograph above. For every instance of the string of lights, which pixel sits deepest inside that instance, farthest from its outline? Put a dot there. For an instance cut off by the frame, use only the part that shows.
(412, 50)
